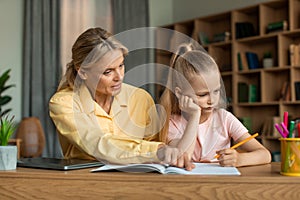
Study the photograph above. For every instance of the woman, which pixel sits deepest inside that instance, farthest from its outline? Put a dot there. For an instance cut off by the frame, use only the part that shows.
(100, 117)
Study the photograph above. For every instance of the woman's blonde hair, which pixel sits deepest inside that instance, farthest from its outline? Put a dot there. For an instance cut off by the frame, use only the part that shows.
(188, 60)
(89, 47)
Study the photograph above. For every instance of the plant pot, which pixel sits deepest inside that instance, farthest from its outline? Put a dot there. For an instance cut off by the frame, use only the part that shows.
(8, 157)
(267, 62)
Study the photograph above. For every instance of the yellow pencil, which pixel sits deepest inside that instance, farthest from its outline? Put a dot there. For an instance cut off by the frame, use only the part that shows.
(240, 143)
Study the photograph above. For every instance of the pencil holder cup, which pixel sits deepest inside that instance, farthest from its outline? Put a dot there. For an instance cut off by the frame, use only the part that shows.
(290, 156)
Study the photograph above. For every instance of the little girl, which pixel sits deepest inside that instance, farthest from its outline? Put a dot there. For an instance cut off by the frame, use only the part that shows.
(199, 124)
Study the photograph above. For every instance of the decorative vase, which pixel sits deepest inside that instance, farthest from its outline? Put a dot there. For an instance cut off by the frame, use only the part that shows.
(31, 132)
(8, 157)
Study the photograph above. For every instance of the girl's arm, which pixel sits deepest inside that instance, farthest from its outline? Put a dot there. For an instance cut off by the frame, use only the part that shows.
(250, 153)
(187, 105)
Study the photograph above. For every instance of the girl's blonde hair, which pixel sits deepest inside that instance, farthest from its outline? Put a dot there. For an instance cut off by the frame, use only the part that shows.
(89, 47)
(188, 60)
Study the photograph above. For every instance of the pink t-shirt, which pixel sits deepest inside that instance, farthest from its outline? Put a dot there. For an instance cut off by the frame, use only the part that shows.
(214, 134)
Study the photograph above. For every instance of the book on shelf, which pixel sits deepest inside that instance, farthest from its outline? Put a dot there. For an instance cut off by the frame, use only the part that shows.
(239, 59)
(277, 26)
(243, 93)
(244, 29)
(297, 90)
(242, 61)
(252, 96)
(252, 60)
(221, 37)
(294, 52)
(247, 93)
(200, 169)
(285, 91)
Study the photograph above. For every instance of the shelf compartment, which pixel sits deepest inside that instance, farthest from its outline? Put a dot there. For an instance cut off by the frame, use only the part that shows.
(294, 14)
(259, 45)
(249, 14)
(272, 12)
(222, 56)
(284, 42)
(212, 25)
(272, 83)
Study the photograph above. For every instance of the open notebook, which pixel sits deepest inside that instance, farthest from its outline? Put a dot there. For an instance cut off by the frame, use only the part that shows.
(57, 163)
(200, 169)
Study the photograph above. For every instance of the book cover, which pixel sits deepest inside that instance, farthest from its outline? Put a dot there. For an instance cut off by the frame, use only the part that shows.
(240, 64)
(252, 96)
(244, 61)
(285, 91)
(277, 26)
(244, 29)
(252, 60)
(200, 169)
(243, 92)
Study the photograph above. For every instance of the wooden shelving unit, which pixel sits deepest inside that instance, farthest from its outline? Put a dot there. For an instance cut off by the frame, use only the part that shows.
(269, 81)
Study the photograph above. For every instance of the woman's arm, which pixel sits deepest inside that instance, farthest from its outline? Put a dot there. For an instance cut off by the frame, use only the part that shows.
(82, 130)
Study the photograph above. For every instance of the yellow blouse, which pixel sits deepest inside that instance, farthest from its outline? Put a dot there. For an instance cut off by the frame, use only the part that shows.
(123, 136)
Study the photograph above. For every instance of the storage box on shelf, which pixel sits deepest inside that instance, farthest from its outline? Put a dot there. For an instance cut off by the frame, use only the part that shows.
(268, 27)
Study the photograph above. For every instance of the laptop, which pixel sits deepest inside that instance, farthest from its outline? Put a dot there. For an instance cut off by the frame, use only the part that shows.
(57, 163)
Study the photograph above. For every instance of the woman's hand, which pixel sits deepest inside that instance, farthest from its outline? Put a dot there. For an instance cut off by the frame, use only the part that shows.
(228, 157)
(173, 156)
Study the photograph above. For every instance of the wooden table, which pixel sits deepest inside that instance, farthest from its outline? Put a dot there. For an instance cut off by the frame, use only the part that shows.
(258, 182)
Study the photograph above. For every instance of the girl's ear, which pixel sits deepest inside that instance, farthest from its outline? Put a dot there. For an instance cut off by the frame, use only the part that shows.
(82, 74)
(178, 92)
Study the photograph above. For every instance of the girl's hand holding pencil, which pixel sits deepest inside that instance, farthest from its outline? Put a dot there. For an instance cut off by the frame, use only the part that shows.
(240, 143)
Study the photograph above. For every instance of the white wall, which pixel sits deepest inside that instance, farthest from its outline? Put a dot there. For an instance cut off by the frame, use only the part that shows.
(11, 23)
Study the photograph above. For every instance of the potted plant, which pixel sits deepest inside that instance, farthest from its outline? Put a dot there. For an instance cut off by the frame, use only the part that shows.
(268, 60)
(8, 153)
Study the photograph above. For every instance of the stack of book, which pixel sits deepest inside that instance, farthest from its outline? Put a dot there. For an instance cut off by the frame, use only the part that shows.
(221, 37)
(248, 60)
(277, 26)
(244, 29)
(247, 93)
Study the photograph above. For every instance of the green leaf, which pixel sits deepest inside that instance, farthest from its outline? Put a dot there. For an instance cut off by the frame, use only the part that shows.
(2, 89)
(4, 77)
(4, 100)
(7, 128)
(4, 112)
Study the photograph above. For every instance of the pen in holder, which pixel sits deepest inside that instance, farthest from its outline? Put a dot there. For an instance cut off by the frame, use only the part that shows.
(290, 156)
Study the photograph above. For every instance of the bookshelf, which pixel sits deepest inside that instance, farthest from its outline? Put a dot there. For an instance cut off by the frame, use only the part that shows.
(269, 81)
